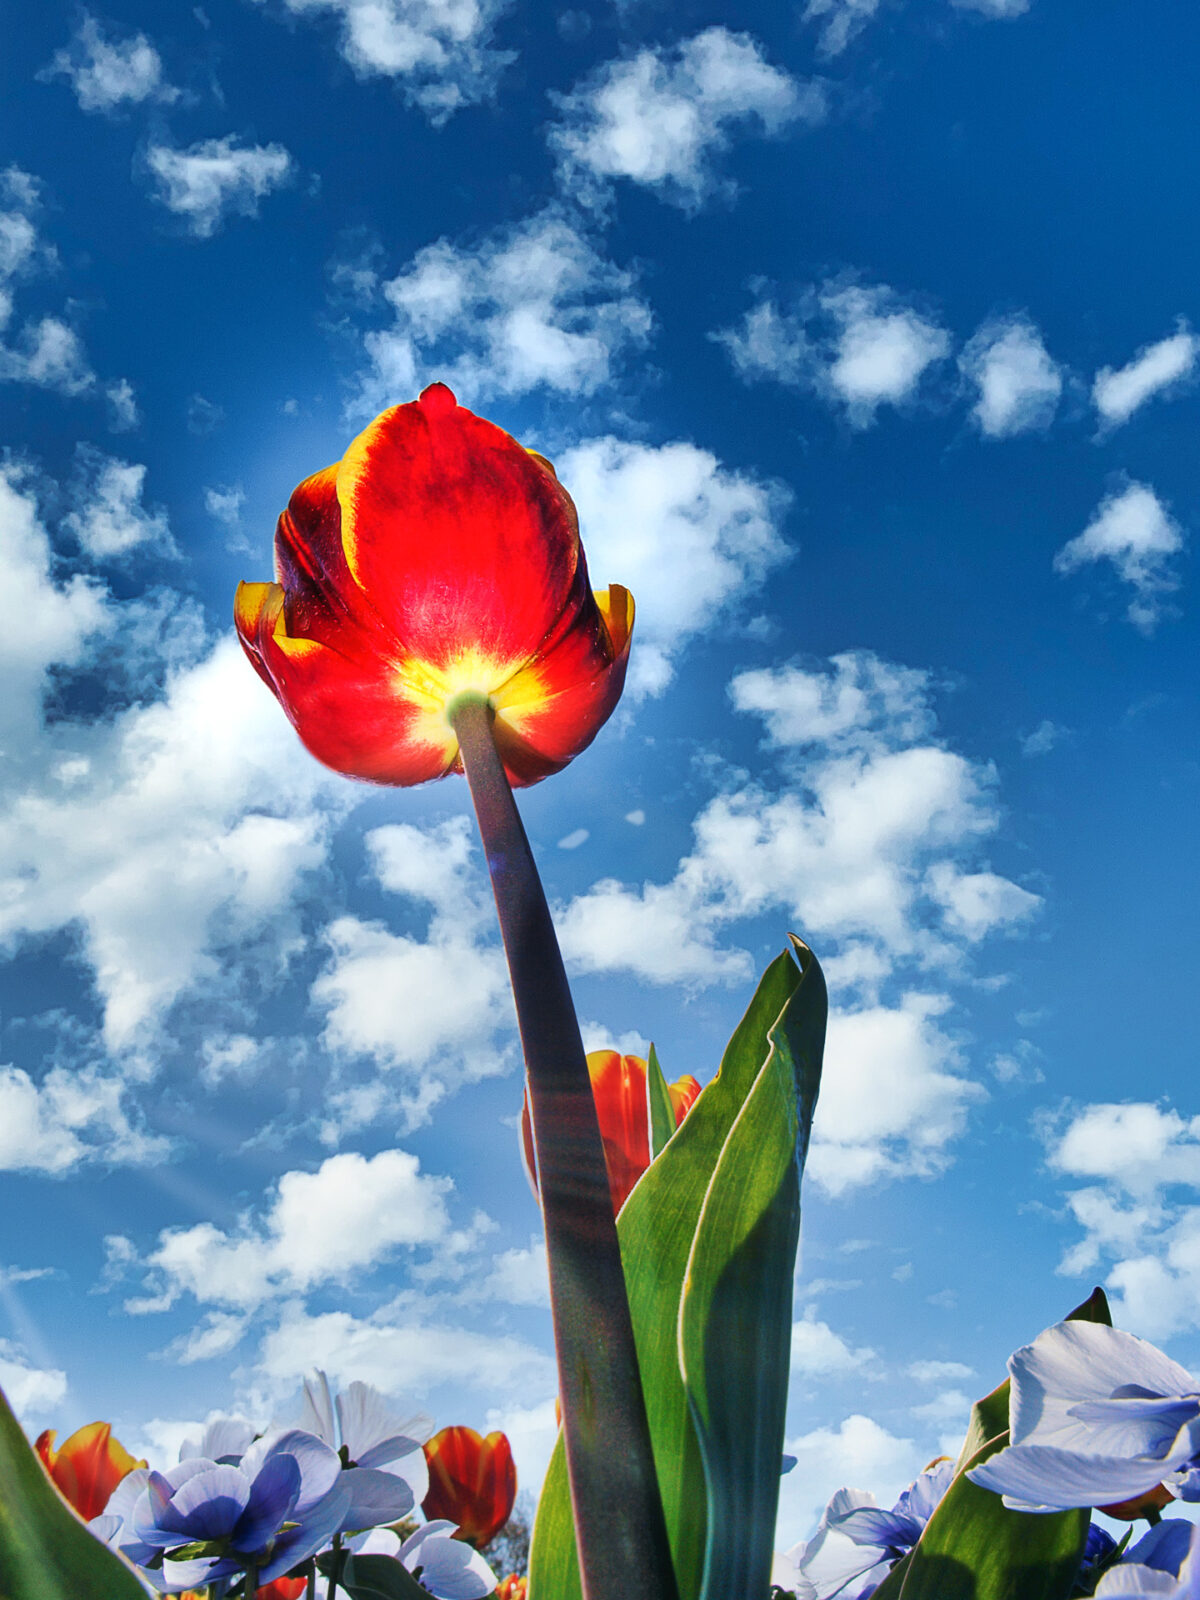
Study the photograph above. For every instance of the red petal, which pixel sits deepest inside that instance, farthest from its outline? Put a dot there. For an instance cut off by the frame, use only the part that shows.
(472, 1481)
(456, 534)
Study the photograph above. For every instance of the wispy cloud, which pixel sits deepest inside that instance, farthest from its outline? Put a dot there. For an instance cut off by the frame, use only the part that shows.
(1118, 393)
(215, 179)
(1135, 533)
(1019, 386)
(107, 72)
(660, 117)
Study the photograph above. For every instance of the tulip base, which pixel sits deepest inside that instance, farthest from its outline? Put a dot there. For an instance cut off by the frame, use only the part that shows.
(619, 1524)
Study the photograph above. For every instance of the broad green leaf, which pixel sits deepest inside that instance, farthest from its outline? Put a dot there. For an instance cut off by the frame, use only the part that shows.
(661, 1113)
(373, 1577)
(974, 1548)
(46, 1551)
(736, 1313)
(657, 1226)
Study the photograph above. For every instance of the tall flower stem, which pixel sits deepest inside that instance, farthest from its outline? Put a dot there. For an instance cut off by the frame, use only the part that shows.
(620, 1529)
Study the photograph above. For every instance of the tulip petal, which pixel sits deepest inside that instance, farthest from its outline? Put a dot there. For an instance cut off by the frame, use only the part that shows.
(480, 540)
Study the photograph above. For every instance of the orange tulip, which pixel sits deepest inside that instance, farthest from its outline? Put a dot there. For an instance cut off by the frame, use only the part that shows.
(514, 1587)
(282, 1589)
(619, 1088)
(472, 1481)
(1146, 1505)
(437, 558)
(88, 1468)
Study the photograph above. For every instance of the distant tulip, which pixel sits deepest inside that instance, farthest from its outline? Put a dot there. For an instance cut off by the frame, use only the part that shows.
(282, 1589)
(472, 1482)
(619, 1088)
(514, 1587)
(437, 558)
(88, 1467)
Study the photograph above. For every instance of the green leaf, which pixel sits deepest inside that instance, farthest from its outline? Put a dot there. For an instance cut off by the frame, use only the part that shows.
(736, 1314)
(657, 1228)
(661, 1112)
(373, 1577)
(974, 1548)
(46, 1551)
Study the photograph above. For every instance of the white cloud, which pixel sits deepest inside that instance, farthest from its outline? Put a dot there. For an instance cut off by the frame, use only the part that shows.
(1141, 1214)
(883, 348)
(50, 355)
(933, 1372)
(1156, 367)
(414, 1352)
(860, 347)
(573, 840)
(224, 503)
(660, 116)
(534, 306)
(1135, 532)
(123, 413)
(106, 72)
(819, 1352)
(109, 518)
(425, 1011)
(215, 179)
(1044, 738)
(532, 1432)
(439, 51)
(203, 785)
(689, 538)
(859, 1454)
(68, 1118)
(849, 850)
(31, 1391)
(893, 1100)
(843, 21)
(317, 1227)
(994, 8)
(519, 1277)
(216, 1334)
(1019, 385)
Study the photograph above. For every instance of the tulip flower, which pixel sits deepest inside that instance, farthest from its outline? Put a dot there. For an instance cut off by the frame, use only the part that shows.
(514, 1587)
(432, 613)
(88, 1467)
(472, 1482)
(619, 1088)
(437, 557)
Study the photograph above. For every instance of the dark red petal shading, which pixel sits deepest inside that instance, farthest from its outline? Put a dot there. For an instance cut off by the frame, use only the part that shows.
(472, 1481)
(456, 534)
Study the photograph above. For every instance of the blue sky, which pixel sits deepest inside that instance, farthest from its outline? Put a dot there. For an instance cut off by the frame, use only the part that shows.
(862, 332)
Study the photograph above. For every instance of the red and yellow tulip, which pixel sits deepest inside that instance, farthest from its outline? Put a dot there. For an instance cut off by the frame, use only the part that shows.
(514, 1587)
(472, 1481)
(619, 1088)
(88, 1467)
(437, 558)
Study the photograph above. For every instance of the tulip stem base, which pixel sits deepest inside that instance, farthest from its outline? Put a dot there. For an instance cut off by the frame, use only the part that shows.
(620, 1530)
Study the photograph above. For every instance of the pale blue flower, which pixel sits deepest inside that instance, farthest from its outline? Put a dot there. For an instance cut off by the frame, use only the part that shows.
(1096, 1416)
(1165, 1562)
(282, 1503)
(858, 1542)
(383, 1462)
(448, 1568)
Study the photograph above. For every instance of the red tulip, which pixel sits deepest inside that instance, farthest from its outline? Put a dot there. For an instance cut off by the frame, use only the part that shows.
(619, 1088)
(437, 558)
(282, 1589)
(472, 1481)
(514, 1587)
(88, 1468)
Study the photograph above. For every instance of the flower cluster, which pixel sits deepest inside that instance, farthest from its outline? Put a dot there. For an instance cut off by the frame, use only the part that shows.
(268, 1511)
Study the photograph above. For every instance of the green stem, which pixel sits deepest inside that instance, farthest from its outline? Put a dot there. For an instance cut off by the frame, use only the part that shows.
(310, 1591)
(337, 1566)
(620, 1529)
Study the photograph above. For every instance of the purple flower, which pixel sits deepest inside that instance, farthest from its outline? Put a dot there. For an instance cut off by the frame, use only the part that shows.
(383, 1462)
(281, 1504)
(857, 1541)
(1165, 1562)
(1096, 1416)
